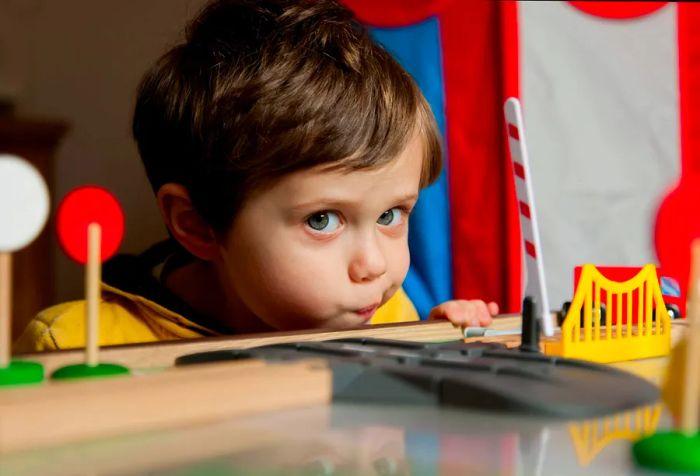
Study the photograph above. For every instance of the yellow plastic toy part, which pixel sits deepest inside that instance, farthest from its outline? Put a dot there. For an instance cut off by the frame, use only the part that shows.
(590, 437)
(672, 388)
(623, 341)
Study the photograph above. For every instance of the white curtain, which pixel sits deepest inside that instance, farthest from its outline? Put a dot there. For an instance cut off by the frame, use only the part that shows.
(600, 100)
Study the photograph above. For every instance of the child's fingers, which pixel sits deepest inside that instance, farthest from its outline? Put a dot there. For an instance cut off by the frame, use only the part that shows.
(493, 308)
(441, 311)
(464, 313)
(482, 315)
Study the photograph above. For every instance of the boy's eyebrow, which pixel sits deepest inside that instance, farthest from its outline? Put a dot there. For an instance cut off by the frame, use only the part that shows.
(329, 201)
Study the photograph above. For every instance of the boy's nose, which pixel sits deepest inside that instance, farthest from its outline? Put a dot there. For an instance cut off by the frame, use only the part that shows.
(368, 263)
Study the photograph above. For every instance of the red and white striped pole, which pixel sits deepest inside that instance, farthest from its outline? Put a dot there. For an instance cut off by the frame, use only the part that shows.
(535, 282)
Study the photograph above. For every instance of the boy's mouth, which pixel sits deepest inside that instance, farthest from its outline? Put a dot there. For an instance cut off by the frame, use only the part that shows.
(366, 313)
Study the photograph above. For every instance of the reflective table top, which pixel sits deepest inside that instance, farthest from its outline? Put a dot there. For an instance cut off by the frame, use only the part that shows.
(361, 439)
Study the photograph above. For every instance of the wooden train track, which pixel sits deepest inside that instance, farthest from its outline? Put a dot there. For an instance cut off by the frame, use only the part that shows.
(163, 354)
(62, 412)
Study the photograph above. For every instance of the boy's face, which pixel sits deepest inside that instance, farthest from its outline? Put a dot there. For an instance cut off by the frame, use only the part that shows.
(323, 248)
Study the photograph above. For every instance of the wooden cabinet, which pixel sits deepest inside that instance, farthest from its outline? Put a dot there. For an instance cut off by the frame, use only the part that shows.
(33, 287)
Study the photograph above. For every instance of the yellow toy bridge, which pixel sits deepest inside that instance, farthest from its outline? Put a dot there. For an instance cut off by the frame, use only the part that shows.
(629, 331)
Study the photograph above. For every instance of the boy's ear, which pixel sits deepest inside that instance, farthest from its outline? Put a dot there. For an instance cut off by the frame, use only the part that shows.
(184, 222)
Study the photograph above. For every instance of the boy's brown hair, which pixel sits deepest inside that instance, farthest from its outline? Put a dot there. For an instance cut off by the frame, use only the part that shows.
(260, 89)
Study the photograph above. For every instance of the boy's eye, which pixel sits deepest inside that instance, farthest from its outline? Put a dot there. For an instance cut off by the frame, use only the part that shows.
(392, 217)
(325, 222)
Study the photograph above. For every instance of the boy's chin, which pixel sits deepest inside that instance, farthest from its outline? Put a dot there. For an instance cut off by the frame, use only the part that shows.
(345, 320)
(348, 320)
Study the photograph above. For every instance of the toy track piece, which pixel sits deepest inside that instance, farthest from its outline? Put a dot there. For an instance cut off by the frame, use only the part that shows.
(472, 375)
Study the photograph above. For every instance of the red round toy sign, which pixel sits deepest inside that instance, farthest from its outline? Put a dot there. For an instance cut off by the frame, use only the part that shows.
(81, 207)
(616, 10)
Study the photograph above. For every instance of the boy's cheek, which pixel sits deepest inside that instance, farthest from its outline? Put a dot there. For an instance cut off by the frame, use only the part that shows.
(302, 286)
(406, 267)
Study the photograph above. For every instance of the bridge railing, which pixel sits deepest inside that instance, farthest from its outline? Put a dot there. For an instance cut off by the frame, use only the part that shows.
(636, 323)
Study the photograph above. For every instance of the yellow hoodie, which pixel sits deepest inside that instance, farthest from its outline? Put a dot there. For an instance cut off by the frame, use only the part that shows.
(127, 318)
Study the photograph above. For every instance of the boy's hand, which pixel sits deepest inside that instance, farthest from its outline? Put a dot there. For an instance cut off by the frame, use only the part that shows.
(463, 313)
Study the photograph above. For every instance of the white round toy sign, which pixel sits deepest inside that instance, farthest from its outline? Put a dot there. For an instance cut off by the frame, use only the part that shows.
(24, 203)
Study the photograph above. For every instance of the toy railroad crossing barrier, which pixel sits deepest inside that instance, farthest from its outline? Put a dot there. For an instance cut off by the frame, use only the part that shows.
(617, 339)
(591, 436)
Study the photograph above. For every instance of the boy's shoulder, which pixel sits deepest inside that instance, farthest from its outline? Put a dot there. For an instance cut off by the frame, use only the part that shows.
(124, 319)
(63, 327)
(39, 333)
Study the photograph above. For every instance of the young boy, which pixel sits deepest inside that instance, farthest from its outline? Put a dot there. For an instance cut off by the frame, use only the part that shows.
(286, 151)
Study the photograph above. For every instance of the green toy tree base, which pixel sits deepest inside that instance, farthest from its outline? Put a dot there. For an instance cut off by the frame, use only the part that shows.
(78, 371)
(669, 451)
(20, 372)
